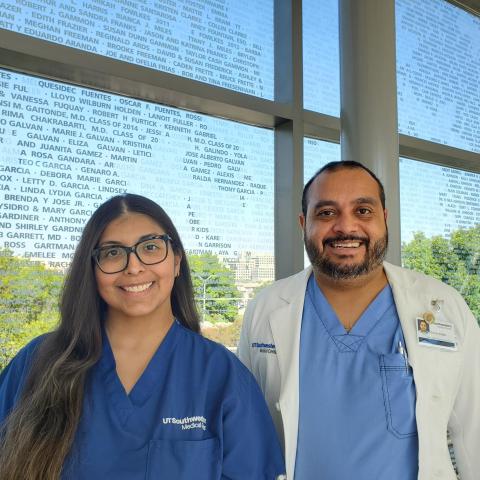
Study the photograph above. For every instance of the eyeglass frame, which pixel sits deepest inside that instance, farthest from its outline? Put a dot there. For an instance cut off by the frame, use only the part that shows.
(133, 249)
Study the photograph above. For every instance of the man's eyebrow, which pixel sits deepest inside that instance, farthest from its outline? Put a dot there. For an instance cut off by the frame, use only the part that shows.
(325, 203)
(356, 201)
(370, 200)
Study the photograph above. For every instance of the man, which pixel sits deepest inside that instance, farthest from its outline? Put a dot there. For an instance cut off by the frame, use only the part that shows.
(336, 349)
(423, 326)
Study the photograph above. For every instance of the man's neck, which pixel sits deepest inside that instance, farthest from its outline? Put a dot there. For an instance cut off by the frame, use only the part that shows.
(350, 297)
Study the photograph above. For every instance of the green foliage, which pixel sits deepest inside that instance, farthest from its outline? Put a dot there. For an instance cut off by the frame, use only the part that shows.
(14, 338)
(455, 261)
(28, 302)
(227, 334)
(214, 285)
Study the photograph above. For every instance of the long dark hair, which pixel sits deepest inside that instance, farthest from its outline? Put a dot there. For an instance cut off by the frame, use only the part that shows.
(40, 431)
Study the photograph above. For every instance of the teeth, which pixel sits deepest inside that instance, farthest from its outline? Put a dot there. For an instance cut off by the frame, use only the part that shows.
(347, 245)
(137, 288)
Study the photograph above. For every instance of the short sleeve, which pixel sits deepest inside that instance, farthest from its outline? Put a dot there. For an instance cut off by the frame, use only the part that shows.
(250, 445)
(12, 378)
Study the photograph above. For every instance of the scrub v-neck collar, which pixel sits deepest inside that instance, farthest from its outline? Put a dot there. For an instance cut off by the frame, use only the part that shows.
(362, 327)
(157, 366)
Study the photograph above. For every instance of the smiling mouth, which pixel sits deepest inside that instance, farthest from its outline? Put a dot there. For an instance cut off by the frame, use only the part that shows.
(345, 244)
(137, 288)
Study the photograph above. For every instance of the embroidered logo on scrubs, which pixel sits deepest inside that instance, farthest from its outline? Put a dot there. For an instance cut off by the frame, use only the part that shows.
(187, 423)
(265, 347)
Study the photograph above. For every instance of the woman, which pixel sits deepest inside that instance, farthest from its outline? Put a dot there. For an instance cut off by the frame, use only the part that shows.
(125, 388)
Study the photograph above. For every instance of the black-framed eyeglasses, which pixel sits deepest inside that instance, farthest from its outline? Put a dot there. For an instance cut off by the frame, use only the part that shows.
(114, 258)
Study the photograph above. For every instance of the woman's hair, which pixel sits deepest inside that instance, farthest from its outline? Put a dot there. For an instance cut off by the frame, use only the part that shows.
(39, 432)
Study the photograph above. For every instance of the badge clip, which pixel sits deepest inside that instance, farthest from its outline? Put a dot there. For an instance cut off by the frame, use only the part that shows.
(437, 304)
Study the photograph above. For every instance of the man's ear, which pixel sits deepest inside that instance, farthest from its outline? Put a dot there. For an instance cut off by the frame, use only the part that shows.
(385, 214)
(301, 221)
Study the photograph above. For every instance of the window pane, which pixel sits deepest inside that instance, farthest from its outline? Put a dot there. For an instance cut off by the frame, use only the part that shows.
(321, 61)
(221, 42)
(440, 225)
(67, 149)
(438, 67)
(317, 154)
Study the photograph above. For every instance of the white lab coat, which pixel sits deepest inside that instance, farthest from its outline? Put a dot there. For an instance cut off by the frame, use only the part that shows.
(447, 382)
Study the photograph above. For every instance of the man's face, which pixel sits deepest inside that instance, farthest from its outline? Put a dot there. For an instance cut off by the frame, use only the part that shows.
(345, 229)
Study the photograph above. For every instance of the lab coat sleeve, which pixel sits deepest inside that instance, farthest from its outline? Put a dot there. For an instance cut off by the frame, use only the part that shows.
(250, 444)
(243, 350)
(464, 422)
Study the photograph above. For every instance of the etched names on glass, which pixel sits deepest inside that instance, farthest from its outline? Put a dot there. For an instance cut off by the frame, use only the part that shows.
(438, 66)
(67, 149)
(437, 200)
(222, 42)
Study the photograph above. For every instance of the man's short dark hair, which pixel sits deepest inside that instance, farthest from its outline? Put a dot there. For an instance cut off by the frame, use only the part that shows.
(333, 167)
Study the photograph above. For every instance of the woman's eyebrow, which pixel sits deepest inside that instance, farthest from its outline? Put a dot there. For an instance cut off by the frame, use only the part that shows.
(141, 239)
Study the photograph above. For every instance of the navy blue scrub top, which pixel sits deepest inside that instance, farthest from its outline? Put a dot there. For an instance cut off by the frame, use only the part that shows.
(357, 396)
(195, 413)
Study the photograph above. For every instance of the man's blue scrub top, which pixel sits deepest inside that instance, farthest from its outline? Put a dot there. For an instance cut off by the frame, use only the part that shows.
(357, 398)
(195, 413)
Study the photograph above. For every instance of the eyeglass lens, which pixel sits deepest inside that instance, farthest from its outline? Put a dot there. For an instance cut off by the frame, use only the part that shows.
(114, 258)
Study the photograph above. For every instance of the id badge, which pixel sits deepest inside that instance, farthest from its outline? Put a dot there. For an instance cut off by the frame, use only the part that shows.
(435, 333)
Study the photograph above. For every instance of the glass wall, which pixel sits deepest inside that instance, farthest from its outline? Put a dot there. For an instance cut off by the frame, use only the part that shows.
(441, 225)
(220, 42)
(67, 149)
(438, 63)
(321, 59)
(317, 154)
(438, 66)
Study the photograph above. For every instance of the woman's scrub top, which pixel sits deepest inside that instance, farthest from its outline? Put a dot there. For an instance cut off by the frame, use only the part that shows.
(195, 413)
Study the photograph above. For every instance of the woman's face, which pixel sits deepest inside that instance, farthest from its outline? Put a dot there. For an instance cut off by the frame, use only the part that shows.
(140, 291)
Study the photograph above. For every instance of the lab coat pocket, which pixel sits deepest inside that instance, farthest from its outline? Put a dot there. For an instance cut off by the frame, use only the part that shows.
(399, 396)
(184, 459)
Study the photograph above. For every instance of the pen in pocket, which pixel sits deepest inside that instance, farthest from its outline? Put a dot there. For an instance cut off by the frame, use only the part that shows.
(403, 352)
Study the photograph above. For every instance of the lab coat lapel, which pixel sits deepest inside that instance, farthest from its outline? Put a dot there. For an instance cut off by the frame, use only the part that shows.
(412, 301)
(285, 324)
(434, 371)
(409, 303)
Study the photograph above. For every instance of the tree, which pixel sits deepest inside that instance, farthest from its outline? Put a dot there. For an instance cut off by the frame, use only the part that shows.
(214, 285)
(28, 302)
(455, 261)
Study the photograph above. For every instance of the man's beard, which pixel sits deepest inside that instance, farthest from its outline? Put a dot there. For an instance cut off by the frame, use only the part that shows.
(322, 263)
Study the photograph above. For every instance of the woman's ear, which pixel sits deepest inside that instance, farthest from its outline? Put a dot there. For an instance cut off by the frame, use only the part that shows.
(177, 259)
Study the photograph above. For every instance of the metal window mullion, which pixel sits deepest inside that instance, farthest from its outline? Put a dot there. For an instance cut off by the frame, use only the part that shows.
(61, 63)
(288, 137)
(443, 155)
